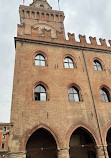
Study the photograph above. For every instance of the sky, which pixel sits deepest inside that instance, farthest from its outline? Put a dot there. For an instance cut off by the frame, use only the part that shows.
(86, 17)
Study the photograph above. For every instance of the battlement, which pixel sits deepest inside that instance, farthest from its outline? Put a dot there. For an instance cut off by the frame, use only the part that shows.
(46, 35)
(40, 14)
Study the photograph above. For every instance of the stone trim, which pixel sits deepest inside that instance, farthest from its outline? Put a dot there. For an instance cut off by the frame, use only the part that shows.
(18, 152)
(63, 44)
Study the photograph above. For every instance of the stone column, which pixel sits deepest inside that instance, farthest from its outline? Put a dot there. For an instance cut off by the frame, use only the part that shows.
(16, 155)
(102, 152)
(63, 153)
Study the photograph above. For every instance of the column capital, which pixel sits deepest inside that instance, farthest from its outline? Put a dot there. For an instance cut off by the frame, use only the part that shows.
(100, 146)
(63, 153)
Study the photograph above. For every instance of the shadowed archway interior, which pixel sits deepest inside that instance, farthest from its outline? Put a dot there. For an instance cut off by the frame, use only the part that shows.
(82, 144)
(41, 144)
(108, 139)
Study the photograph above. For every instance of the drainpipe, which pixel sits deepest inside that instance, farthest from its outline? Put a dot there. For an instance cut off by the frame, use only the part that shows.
(93, 102)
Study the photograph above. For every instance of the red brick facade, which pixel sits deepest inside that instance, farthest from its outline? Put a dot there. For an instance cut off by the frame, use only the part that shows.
(41, 32)
(4, 136)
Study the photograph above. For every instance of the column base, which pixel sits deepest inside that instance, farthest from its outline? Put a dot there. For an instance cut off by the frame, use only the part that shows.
(63, 153)
(16, 155)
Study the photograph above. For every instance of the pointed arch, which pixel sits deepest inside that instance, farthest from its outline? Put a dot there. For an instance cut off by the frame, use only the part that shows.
(85, 127)
(105, 132)
(105, 92)
(39, 52)
(100, 62)
(81, 141)
(72, 61)
(44, 85)
(79, 91)
(29, 132)
(108, 141)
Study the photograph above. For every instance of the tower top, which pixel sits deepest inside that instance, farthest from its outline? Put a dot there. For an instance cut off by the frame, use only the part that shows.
(38, 0)
(39, 16)
(43, 4)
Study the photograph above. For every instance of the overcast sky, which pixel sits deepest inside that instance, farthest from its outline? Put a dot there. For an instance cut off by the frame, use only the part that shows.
(86, 17)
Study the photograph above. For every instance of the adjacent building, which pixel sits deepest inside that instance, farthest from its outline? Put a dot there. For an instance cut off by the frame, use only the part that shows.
(4, 136)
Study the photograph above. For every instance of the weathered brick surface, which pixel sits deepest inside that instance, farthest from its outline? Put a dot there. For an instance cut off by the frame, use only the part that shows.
(58, 115)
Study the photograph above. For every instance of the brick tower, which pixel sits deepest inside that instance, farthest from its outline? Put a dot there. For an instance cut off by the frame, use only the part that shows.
(61, 91)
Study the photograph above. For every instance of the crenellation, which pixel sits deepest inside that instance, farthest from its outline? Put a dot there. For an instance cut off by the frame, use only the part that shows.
(60, 35)
(93, 40)
(83, 39)
(109, 42)
(41, 14)
(47, 33)
(20, 30)
(71, 37)
(103, 42)
(34, 32)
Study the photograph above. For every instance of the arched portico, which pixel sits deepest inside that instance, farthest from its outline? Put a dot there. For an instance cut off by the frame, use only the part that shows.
(108, 140)
(29, 132)
(41, 144)
(82, 144)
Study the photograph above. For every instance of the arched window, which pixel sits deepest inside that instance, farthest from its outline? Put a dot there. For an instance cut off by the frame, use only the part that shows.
(97, 65)
(105, 95)
(28, 14)
(74, 94)
(68, 63)
(39, 60)
(47, 16)
(40, 93)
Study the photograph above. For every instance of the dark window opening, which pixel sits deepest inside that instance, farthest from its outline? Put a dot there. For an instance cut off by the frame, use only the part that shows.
(4, 129)
(105, 95)
(3, 145)
(97, 65)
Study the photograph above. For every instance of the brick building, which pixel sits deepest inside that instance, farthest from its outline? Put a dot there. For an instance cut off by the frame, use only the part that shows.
(61, 102)
(4, 136)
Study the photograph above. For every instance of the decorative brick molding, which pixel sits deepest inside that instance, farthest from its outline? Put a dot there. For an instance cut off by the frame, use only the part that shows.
(105, 132)
(29, 132)
(83, 125)
(60, 38)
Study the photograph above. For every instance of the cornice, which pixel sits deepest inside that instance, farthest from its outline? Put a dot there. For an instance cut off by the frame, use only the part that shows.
(71, 46)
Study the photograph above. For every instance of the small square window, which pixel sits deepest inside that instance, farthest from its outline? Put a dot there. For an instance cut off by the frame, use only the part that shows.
(4, 129)
(3, 145)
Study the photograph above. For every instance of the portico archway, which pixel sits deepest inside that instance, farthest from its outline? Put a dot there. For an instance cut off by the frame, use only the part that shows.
(108, 139)
(41, 144)
(82, 144)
